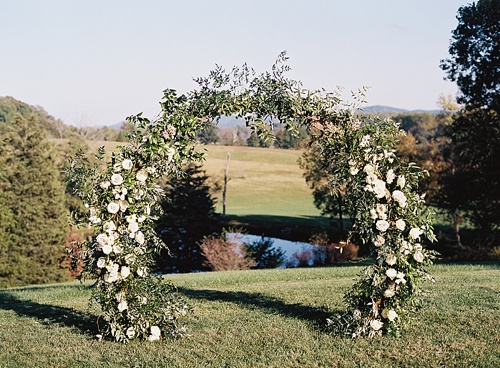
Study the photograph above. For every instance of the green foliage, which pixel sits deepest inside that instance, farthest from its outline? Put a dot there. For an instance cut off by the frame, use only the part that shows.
(11, 109)
(473, 135)
(264, 254)
(188, 216)
(254, 141)
(291, 140)
(475, 57)
(32, 208)
(473, 184)
(123, 200)
(329, 191)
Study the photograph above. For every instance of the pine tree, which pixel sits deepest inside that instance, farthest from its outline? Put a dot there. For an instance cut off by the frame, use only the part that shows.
(189, 215)
(32, 202)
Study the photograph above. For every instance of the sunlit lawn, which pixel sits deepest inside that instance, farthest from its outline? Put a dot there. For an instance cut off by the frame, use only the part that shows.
(269, 318)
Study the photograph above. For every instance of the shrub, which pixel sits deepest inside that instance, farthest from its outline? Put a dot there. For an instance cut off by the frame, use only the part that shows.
(225, 254)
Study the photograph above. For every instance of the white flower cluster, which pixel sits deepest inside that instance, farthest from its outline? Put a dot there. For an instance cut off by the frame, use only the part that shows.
(394, 232)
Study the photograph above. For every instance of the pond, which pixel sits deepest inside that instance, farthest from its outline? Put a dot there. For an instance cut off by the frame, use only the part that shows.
(288, 246)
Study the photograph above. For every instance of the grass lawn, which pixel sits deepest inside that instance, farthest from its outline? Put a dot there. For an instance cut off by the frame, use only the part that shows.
(262, 318)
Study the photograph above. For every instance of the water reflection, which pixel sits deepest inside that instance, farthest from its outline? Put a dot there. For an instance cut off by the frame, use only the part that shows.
(289, 247)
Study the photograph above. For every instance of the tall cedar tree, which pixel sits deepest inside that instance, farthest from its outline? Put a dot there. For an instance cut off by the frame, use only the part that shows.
(188, 216)
(33, 203)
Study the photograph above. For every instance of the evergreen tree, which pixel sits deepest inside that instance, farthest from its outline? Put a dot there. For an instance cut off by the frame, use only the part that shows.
(32, 203)
(189, 215)
(209, 134)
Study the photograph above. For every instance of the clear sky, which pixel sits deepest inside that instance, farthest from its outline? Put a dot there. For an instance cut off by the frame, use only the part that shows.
(95, 62)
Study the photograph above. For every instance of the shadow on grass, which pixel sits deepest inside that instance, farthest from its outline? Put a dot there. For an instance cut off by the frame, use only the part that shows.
(48, 314)
(316, 317)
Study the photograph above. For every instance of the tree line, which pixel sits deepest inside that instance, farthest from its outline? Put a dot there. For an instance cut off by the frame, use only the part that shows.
(458, 147)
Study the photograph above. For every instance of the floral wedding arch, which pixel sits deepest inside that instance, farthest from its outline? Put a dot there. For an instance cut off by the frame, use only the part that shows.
(123, 200)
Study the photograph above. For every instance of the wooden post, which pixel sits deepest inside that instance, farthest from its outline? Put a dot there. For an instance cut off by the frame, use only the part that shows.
(226, 179)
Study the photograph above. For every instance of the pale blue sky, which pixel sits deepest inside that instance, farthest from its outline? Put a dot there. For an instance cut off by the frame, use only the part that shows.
(92, 62)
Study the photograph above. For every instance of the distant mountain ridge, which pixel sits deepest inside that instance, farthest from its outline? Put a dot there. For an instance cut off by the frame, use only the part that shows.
(389, 109)
(231, 121)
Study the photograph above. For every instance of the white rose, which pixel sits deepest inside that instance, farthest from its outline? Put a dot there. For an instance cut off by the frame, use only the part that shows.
(353, 170)
(373, 214)
(142, 271)
(401, 181)
(139, 237)
(379, 188)
(389, 293)
(400, 278)
(109, 226)
(130, 333)
(400, 224)
(382, 225)
(133, 227)
(101, 262)
(117, 249)
(153, 338)
(129, 258)
(127, 164)
(415, 233)
(116, 179)
(107, 248)
(122, 305)
(399, 197)
(390, 176)
(376, 324)
(379, 241)
(112, 268)
(110, 277)
(392, 315)
(113, 207)
(141, 175)
(369, 169)
(155, 330)
(105, 184)
(391, 273)
(371, 178)
(102, 239)
(391, 260)
(418, 256)
(389, 314)
(125, 272)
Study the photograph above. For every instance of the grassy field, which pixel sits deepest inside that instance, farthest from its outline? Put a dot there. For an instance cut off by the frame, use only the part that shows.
(262, 181)
(266, 191)
(268, 318)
